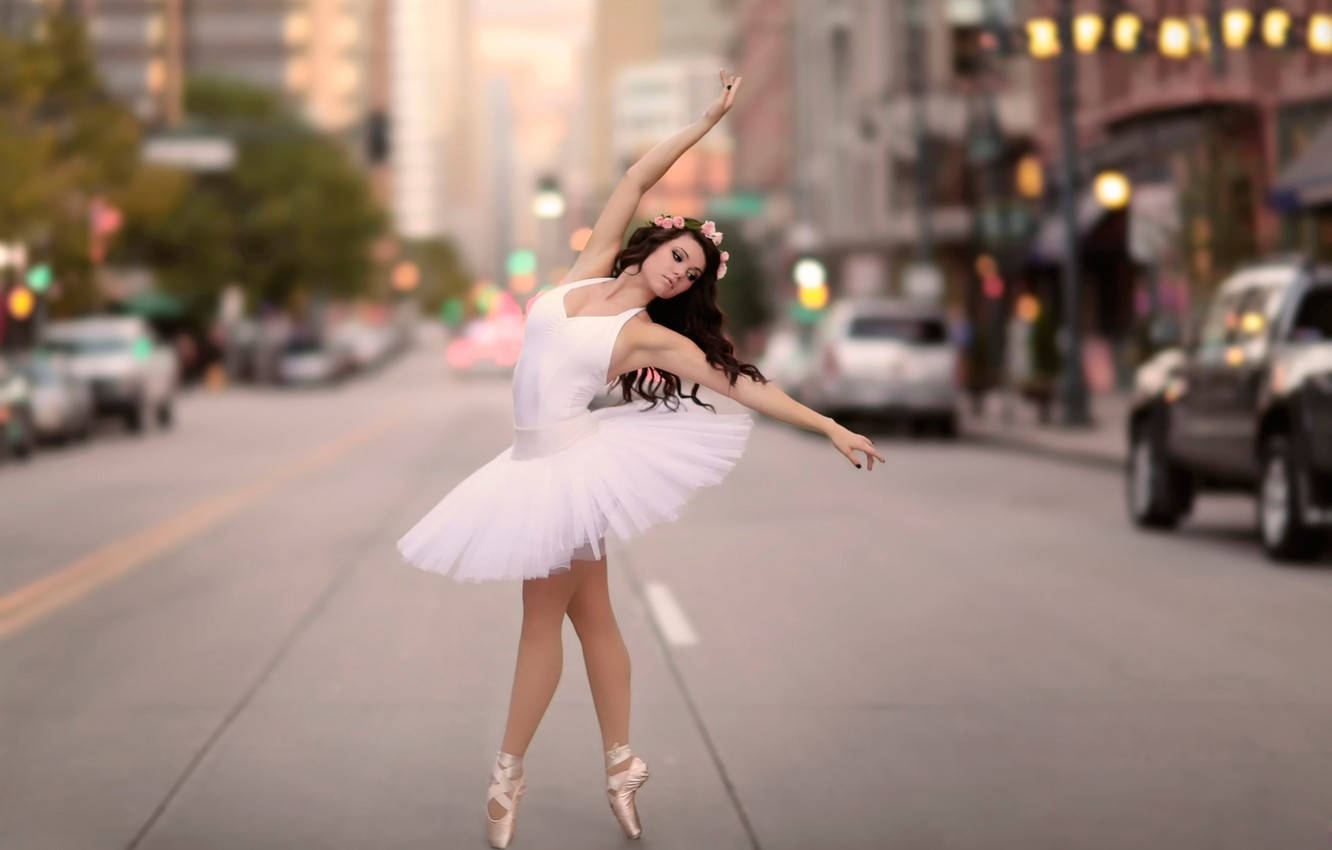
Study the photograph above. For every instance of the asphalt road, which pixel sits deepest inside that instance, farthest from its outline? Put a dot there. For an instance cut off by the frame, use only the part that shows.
(207, 640)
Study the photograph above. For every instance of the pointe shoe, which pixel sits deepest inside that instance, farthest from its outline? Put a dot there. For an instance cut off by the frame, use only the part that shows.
(507, 786)
(623, 786)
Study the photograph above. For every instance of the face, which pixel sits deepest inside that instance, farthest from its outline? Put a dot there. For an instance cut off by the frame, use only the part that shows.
(674, 266)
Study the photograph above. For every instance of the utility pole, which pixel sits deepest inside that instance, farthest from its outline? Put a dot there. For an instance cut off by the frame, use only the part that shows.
(1073, 384)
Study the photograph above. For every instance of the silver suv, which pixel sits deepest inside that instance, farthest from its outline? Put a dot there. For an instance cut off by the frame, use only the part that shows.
(884, 356)
(132, 373)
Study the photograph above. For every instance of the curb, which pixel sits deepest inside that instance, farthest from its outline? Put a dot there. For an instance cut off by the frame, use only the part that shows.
(1080, 457)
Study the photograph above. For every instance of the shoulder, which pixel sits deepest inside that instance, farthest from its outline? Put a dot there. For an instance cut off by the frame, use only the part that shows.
(646, 335)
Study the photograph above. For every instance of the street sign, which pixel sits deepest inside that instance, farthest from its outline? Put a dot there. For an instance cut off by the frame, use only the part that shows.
(192, 153)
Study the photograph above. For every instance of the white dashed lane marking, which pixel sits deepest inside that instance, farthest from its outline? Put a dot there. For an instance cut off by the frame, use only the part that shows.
(669, 615)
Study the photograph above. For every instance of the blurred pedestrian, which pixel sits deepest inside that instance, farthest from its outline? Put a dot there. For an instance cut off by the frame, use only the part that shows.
(539, 511)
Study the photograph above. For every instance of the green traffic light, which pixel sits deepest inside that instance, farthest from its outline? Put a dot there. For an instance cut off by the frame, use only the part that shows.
(39, 278)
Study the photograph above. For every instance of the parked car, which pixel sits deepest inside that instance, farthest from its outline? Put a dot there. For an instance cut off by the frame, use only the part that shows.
(306, 361)
(1246, 405)
(62, 404)
(133, 374)
(885, 357)
(785, 360)
(17, 432)
(368, 344)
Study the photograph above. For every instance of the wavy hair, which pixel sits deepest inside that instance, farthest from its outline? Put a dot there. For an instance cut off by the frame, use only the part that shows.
(693, 313)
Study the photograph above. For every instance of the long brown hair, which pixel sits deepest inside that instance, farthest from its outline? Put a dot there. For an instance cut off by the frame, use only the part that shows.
(693, 313)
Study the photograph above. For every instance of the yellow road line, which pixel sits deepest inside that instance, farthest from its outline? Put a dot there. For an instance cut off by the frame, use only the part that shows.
(32, 602)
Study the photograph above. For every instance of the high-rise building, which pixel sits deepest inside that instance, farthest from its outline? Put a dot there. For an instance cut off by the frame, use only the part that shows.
(651, 102)
(624, 33)
(315, 52)
(431, 125)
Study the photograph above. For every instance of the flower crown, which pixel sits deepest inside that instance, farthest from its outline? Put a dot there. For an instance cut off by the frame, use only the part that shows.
(707, 228)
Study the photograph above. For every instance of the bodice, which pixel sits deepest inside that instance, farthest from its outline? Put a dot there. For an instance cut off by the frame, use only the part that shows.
(564, 359)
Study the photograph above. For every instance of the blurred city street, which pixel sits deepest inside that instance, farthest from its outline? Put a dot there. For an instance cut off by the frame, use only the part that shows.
(276, 277)
(206, 641)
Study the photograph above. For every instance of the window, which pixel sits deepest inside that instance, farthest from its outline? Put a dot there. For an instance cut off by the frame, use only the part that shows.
(908, 330)
(1313, 320)
(1218, 324)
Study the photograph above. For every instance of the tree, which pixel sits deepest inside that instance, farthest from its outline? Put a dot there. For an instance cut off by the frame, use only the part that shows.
(741, 294)
(294, 217)
(63, 141)
(443, 273)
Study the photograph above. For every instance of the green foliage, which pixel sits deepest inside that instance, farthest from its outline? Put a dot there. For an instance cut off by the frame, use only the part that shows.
(444, 275)
(742, 292)
(294, 217)
(63, 140)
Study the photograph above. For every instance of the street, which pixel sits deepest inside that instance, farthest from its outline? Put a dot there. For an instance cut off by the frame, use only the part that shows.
(207, 640)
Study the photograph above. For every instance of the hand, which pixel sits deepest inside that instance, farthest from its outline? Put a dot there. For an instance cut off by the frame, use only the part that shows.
(849, 442)
(730, 85)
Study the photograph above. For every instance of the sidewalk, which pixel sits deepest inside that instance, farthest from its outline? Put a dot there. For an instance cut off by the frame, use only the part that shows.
(1102, 444)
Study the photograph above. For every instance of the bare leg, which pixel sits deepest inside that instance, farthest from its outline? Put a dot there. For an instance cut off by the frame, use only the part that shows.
(540, 661)
(604, 653)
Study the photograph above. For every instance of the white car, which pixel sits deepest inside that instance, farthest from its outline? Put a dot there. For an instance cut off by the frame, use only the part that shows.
(307, 361)
(62, 405)
(884, 357)
(133, 374)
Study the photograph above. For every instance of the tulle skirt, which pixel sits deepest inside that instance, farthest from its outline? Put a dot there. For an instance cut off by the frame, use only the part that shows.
(561, 487)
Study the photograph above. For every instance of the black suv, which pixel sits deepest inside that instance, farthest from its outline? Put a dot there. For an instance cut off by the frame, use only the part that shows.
(1247, 404)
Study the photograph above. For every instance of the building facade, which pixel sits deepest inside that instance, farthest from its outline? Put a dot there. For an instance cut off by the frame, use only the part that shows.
(430, 117)
(867, 84)
(1211, 131)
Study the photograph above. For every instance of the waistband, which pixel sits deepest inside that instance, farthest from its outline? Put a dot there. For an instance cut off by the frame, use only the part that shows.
(542, 440)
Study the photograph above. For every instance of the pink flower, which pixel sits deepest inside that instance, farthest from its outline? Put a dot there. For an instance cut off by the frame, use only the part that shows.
(659, 220)
(678, 221)
(667, 223)
(709, 228)
(726, 255)
(721, 271)
(717, 238)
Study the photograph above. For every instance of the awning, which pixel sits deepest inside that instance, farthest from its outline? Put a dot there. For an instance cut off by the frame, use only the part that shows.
(1048, 246)
(1307, 181)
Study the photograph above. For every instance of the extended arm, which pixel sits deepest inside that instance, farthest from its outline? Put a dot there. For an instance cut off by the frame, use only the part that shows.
(604, 243)
(663, 348)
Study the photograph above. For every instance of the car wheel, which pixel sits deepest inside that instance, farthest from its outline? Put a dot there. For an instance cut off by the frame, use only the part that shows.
(1159, 493)
(1280, 505)
(27, 438)
(136, 418)
(948, 426)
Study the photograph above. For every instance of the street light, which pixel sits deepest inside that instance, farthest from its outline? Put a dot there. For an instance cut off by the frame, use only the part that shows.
(1029, 178)
(1087, 29)
(1173, 38)
(548, 204)
(1127, 32)
(1112, 189)
(1320, 33)
(1042, 38)
(1236, 27)
(1276, 27)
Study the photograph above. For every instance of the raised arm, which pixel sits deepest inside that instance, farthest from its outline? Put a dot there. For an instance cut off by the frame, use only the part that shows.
(607, 233)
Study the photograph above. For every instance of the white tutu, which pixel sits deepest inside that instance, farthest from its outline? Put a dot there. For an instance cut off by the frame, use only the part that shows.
(563, 486)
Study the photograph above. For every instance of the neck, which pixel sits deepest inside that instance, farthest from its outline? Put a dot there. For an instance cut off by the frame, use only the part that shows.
(630, 290)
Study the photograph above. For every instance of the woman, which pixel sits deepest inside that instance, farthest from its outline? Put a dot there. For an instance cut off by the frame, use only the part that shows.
(539, 511)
